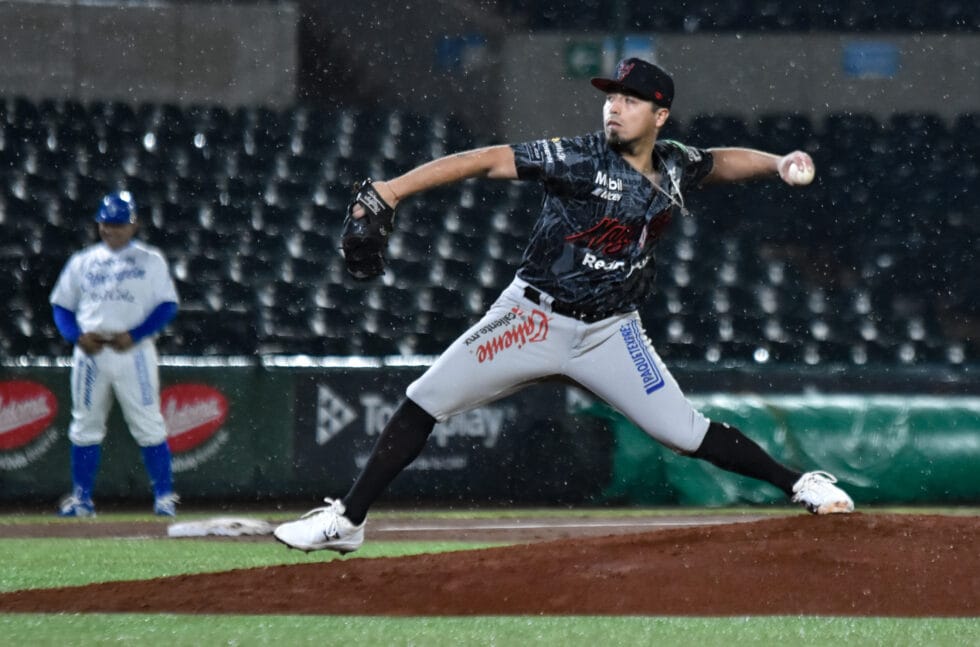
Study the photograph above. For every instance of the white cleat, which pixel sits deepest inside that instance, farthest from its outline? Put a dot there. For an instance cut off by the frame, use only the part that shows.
(818, 494)
(75, 505)
(166, 505)
(323, 528)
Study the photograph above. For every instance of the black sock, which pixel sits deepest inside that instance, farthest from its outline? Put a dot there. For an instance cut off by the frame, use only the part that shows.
(730, 449)
(401, 441)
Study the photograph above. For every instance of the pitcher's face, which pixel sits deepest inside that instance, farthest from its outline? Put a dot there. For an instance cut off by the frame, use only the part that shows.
(627, 118)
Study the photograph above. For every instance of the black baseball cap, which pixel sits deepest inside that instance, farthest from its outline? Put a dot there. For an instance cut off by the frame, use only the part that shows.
(645, 80)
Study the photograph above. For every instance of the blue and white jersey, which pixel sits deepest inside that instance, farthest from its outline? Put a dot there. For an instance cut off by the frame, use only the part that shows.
(114, 291)
(593, 244)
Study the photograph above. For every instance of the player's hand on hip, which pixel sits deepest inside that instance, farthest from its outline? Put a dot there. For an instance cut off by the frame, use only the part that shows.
(91, 343)
(796, 168)
(121, 341)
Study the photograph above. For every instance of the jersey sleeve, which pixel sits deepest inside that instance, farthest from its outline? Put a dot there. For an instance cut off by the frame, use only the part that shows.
(66, 289)
(554, 161)
(163, 289)
(696, 162)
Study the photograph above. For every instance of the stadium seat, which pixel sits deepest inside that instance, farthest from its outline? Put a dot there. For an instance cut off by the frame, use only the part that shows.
(760, 16)
(718, 130)
(248, 204)
(785, 132)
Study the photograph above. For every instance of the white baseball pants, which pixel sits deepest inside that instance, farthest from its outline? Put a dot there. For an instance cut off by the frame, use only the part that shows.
(133, 376)
(518, 342)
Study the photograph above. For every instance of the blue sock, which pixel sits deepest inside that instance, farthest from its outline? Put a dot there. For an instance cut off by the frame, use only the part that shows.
(84, 465)
(157, 461)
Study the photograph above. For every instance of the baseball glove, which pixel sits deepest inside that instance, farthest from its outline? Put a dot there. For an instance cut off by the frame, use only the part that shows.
(364, 240)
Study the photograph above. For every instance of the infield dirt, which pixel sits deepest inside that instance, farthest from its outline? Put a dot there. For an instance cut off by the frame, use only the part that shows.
(852, 565)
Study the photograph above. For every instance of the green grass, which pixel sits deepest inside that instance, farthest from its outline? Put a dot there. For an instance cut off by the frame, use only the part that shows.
(48, 563)
(483, 512)
(519, 631)
(39, 563)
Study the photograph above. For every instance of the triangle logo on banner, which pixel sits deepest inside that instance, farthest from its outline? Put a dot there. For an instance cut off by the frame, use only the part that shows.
(333, 414)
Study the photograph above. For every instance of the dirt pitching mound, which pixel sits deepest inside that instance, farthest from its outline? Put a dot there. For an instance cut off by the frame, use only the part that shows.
(855, 565)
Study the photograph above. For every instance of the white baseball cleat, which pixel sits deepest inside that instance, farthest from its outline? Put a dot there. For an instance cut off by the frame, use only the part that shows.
(76, 505)
(323, 528)
(165, 505)
(817, 492)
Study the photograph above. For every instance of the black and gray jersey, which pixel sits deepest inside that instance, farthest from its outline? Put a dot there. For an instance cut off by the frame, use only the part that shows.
(593, 244)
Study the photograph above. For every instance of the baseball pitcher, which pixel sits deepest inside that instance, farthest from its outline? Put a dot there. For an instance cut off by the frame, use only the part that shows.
(571, 310)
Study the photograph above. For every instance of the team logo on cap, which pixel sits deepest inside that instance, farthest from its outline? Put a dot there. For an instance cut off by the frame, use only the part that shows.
(624, 69)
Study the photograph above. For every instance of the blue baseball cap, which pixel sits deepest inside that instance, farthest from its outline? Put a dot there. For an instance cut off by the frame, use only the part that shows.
(117, 209)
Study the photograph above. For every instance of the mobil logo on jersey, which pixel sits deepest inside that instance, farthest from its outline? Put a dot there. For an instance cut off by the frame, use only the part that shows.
(27, 412)
(608, 187)
(194, 415)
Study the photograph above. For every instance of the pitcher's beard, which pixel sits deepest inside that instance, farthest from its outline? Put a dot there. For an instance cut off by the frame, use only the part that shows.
(620, 145)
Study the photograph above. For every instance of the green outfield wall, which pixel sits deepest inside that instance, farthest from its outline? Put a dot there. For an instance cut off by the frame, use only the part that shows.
(277, 430)
(888, 449)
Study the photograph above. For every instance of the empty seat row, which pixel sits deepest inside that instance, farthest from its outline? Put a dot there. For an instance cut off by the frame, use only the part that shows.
(748, 16)
(860, 267)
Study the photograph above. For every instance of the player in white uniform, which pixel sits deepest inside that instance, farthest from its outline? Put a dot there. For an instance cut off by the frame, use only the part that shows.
(571, 311)
(110, 300)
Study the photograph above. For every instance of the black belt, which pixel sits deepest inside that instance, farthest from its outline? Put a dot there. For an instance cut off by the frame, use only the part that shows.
(567, 309)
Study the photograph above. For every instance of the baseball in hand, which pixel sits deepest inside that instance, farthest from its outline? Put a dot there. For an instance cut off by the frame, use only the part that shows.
(800, 175)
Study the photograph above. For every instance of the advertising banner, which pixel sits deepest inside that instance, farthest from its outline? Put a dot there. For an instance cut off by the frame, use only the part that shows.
(884, 448)
(515, 449)
(261, 433)
(226, 429)
(29, 431)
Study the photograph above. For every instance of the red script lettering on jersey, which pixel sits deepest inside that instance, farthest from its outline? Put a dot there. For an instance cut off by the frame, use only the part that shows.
(608, 236)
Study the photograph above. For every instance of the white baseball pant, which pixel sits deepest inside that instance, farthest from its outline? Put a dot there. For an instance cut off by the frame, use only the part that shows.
(518, 342)
(133, 376)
